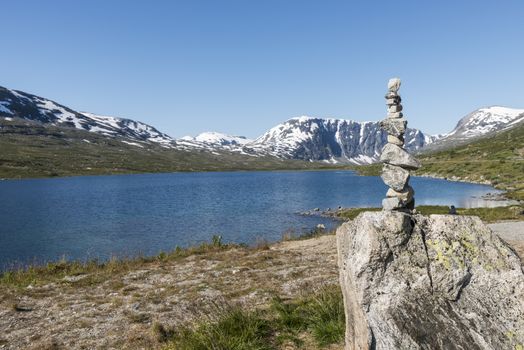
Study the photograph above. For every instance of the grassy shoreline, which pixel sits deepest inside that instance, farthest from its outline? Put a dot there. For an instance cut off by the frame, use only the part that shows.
(159, 302)
(488, 215)
(233, 170)
(99, 270)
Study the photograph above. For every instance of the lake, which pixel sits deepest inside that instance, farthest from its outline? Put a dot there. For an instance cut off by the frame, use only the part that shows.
(125, 215)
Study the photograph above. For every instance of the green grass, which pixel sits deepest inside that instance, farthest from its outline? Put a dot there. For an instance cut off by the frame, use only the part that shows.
(351, 213)
(313, 233)
(319, 315)
(513, 212)
(498, 159)
(234, 329)
(96, 271)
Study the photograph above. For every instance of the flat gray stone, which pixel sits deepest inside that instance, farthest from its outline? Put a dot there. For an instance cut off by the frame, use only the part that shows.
(392, 203)
(394, 176)
(393, 101)
(394, 155)
(395, 140)
(394, 108)
(391, 94)
(406, 195)
(395, 115)
(396, 127)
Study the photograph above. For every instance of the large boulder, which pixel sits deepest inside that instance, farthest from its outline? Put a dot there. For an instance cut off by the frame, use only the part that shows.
(437, 282)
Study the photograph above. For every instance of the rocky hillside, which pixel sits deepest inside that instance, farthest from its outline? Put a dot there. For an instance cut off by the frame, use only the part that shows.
(331, 140)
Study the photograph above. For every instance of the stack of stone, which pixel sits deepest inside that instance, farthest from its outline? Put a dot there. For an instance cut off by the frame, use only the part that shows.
(397, 161)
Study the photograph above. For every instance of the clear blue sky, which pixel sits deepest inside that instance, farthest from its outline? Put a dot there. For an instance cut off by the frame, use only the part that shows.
(241, 67)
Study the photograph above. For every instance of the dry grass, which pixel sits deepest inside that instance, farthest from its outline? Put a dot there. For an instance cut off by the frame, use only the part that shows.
(118, 306)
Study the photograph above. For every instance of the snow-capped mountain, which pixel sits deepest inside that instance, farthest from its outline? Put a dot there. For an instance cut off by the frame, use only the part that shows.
(305, 138)
(214, 140)
(18, 104)
(114, 126)
(480, 123)
(486, 120)
(330, 140)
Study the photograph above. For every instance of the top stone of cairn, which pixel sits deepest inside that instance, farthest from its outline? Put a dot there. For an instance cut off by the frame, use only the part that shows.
(394, 84)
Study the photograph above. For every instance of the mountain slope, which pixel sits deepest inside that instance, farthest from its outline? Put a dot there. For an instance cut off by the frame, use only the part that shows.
(482, 122)
(330, 140)
(18, 104)
(31, 149)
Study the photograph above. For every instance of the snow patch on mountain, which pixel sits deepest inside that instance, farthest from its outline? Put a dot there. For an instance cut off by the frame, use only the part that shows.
(214, 141)
(114, 126)
(217, 138)
(480, 123)
(330, 140)
(3, 107)
(25, 106)
(486, 120)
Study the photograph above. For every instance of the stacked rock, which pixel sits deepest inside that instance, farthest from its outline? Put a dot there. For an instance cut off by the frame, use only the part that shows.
(397, 161)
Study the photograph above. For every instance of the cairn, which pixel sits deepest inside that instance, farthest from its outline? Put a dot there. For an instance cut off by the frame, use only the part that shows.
(397, 161)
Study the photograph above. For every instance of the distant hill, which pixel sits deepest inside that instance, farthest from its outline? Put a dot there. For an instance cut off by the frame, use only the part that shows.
(308, 139)
(480, 123)
(497, 159)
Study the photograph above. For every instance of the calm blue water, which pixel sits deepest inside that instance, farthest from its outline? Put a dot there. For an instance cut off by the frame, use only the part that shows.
(101, 216)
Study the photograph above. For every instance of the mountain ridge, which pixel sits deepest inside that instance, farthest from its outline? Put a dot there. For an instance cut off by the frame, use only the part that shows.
(330, 140)
(311, 139)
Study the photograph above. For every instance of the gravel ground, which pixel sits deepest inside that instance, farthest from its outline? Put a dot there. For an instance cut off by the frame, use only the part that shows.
(510, 230)
(513, 233)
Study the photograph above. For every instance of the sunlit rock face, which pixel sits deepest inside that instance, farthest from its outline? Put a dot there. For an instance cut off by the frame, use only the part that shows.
(437, 282)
